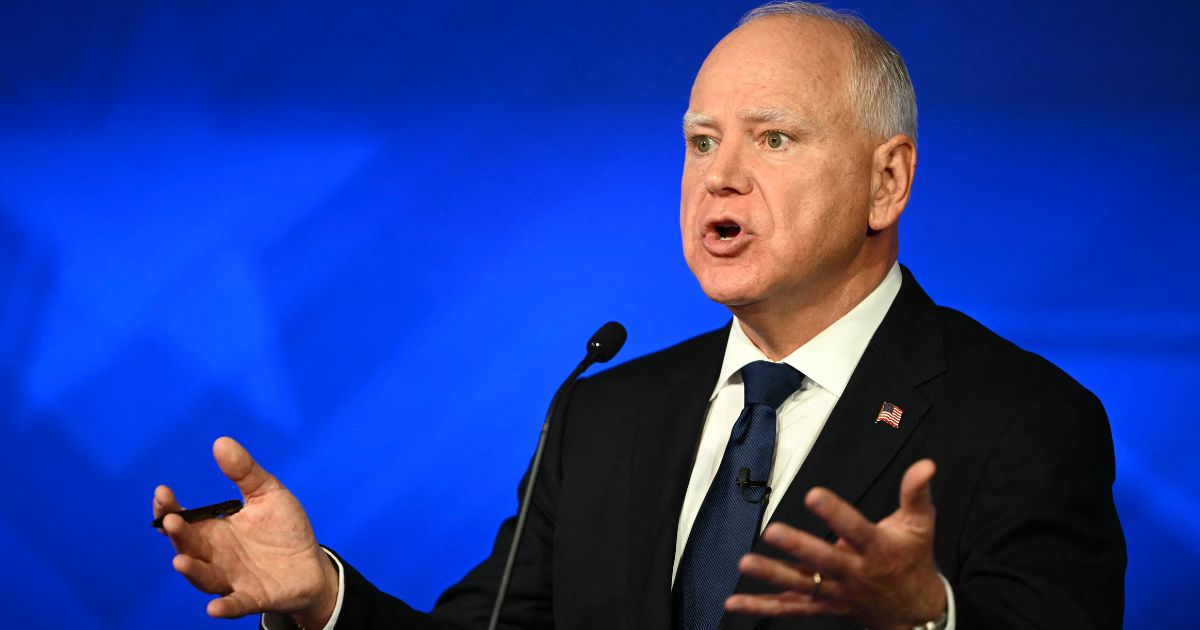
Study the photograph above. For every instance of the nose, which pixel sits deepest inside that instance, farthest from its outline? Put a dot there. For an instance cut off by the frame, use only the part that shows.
(727, 174)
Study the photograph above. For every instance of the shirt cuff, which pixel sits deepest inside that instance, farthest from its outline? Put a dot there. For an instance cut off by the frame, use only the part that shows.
(945, 621)
(276, 621)
(949, 602)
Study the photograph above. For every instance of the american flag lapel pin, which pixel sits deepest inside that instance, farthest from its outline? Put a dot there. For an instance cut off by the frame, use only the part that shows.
(889, 414)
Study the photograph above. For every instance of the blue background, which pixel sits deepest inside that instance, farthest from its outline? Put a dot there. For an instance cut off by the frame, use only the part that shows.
(289, 222)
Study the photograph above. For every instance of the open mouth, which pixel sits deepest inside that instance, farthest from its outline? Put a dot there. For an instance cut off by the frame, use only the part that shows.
(727, 230)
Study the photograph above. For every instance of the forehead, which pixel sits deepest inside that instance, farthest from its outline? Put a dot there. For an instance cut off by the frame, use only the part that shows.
(776, 61)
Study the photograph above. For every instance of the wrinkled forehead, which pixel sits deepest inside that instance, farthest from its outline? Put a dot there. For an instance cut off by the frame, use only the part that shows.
(777, 61)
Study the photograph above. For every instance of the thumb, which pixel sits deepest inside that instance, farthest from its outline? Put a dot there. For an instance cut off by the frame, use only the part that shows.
(916, 499)
(232, 606)
(237, 464)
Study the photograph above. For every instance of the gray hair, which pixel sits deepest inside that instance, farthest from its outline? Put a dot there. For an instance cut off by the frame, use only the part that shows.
(880, 88)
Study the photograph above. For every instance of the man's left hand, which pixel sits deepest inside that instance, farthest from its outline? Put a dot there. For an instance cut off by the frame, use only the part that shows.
(881, 575)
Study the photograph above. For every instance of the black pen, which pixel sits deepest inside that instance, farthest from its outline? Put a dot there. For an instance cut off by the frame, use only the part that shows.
(216, 510)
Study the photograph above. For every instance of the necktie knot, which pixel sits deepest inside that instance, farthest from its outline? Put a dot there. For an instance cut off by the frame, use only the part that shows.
(770, 384)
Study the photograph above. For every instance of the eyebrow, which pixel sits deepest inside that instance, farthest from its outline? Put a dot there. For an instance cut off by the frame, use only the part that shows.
(691, 120)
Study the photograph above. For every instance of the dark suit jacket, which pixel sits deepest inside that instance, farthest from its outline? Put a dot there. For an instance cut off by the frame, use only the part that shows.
(1027, 533)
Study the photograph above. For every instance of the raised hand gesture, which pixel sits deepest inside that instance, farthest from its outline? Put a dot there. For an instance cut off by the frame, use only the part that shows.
(262, 559)
(881, 575)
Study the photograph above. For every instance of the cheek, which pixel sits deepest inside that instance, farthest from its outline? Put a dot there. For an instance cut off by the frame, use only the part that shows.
(687, 214)
(792, 204)
(691, 196)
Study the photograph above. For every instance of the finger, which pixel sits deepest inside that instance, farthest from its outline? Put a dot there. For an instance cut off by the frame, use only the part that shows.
(843, 520)
(237, 464)
(203, 575)
(787, 604)
(164, 501)
(232, 606)
(916, 498)
(808, 550)
(185, 538)
(785, 575)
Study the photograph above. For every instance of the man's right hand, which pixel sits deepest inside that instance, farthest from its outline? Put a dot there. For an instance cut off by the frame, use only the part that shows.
(262, 559)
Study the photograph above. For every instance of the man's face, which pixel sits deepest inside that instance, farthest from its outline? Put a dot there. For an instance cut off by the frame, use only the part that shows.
(777, 177)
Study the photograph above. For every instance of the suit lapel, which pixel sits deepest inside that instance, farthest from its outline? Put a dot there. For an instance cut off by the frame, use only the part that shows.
(667, 432)
(853, 449)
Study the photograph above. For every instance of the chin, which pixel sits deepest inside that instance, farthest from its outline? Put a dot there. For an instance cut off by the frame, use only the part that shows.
(729, 294)
(727, 282)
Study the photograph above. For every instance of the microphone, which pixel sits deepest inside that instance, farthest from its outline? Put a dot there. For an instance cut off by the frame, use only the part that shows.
(744, 482)
(603, 345)
(607, 341)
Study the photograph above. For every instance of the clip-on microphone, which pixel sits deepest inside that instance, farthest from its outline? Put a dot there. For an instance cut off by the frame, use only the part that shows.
(744, 482)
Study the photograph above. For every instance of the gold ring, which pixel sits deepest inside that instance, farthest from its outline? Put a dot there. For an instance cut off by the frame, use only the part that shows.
(816, 584)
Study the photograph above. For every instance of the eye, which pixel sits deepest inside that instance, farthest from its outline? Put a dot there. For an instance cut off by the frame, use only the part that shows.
(776, 139)
(704, 144)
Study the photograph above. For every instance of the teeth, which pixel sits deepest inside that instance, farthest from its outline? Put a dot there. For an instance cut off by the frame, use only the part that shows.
(726, 231)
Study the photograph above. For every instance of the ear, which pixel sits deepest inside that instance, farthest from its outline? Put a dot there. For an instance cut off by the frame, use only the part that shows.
(893, 164)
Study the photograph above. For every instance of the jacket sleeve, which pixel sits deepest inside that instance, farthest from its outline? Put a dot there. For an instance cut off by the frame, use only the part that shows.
(1042, 546)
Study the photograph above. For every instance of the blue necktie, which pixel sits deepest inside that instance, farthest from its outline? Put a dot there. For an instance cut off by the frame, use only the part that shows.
(729, 518)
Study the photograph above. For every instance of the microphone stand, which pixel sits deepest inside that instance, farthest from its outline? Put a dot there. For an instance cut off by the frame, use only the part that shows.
(602, 347)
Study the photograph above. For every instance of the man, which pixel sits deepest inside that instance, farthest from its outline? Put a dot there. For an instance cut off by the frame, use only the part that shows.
(800, 157)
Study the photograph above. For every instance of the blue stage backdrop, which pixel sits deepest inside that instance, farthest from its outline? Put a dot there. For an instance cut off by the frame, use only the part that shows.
(288, 222)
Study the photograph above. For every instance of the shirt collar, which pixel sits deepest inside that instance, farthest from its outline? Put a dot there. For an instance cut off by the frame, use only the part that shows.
(829, 358)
